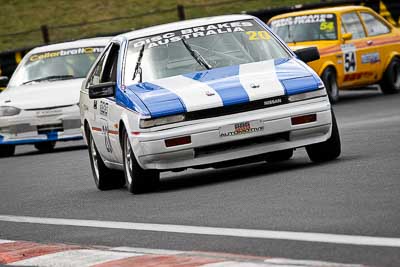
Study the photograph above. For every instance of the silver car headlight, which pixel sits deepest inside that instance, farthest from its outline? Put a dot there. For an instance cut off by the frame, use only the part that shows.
(9, 111)
(308, 95)
(147, 123)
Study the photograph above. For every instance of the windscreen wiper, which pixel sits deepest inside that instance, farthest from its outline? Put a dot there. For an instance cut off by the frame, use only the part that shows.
(138, 68)
(196, 55)
(52, 77)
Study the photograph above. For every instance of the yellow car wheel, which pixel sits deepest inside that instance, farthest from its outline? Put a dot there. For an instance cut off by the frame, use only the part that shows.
(330, 81)
(390, 83)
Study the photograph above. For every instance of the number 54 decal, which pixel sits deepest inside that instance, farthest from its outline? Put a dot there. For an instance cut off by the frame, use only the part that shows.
(349, 58)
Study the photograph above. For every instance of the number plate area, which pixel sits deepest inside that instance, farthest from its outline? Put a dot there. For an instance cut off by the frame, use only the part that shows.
(242, 128)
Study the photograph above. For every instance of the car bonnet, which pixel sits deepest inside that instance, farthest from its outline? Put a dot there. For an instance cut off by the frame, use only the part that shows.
(220, 87)
(42, 95)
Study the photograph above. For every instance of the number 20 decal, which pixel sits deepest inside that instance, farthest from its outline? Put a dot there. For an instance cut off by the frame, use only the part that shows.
(260, 35)
(349, 61)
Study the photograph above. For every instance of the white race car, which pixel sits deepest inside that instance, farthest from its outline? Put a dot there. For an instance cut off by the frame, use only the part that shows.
(40, 104)
(201, 93)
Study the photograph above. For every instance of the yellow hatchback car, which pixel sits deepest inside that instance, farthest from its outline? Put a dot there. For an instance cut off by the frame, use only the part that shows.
(357, 46)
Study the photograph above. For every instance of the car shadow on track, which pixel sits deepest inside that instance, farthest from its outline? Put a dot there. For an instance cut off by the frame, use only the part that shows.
(176, 182)
(56, 150)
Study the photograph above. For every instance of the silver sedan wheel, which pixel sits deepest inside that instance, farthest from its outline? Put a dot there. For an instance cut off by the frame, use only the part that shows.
(128, 161)
(95, 158)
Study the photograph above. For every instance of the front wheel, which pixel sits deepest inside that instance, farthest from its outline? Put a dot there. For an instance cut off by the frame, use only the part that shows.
(7, 150)
(137, 179)
(330, 81)
(390, 83)
(104, 178)
(328, 150)
(45, 147)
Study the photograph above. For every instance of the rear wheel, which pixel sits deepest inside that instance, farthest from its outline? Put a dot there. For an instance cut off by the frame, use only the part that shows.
(278, 156)
(7, 150)
(330, 81)
(390, 83)
(45, 147)
(137, 179)
(104, 178)
(328, 150)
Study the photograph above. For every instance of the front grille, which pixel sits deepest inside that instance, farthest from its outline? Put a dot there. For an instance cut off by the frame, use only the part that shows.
(49, 128)
(238, 108)
(206, 150)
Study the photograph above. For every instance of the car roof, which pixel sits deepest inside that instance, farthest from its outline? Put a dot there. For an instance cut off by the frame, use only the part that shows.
(337, 9)
(181, 25)
(98, 41)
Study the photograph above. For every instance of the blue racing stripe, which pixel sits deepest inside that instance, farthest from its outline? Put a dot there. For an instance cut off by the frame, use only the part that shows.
(294, 77)
(159, 101)
(225, 81)
(300, 85)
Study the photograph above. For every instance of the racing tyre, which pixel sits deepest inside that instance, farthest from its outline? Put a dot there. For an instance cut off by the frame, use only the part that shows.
(390, 83)
(330, 82)
(279, 156)
(45, 147)
(104, 177)
(137, 179)
(7, 151)
(328, 150)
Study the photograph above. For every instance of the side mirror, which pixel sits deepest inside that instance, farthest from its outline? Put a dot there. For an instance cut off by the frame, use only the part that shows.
(347, 36)
(307, 54)
(3, 81)
(102, 90)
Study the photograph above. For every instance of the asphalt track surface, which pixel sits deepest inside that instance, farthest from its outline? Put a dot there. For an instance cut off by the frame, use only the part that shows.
(357, 195)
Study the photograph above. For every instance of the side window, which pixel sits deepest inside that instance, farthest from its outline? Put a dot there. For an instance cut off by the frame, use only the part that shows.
(373, 25)
(110, 67)
(351, 23)
(95, 77)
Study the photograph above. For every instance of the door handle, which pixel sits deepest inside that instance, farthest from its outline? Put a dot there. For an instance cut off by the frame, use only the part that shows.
(370, 42)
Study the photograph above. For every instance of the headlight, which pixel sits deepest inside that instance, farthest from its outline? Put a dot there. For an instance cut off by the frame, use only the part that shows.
(308, 95)
(9, 111)
(147, 123)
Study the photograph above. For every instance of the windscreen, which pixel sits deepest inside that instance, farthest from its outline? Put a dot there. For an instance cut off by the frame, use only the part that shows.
(199, 48)
(56, 65)
(306, 28)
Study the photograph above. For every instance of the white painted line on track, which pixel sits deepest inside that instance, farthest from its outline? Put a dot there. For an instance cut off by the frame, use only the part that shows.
(147, 251)
(82, 258)
(217, 231)
(310, 263)
(3, 241)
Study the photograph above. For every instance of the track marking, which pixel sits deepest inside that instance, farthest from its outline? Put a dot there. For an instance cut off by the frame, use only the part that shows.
(147, 251)
(3, 241)
(82, 257)
(217, 231)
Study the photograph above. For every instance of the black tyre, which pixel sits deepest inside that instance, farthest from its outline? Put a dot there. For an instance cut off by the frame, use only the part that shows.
(104, 177)
(328, 150)
(45, 147)
(279, 156)
(390, 83)
(137, 179)
(7, 150)
(330, 81)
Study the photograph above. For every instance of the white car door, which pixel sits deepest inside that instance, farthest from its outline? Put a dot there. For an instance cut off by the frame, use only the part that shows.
(97, 109)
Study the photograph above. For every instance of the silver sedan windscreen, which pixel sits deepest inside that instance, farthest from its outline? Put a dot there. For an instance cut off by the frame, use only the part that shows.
(56, 65)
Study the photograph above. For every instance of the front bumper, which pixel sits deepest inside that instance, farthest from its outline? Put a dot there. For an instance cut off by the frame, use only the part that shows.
(41, 125)
(208, 148)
